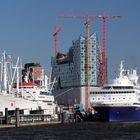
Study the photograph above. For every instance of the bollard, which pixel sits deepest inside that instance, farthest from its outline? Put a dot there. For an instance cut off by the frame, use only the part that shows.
(6, 115)
(59, 117)
(62, 118)
(17, 117)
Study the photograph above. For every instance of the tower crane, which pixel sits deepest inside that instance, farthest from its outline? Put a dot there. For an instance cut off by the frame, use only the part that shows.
(57, 30)
(87, 24)
(104, 62)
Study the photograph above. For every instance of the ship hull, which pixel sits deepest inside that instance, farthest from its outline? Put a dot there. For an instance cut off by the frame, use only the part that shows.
(118, 113)
(12, 103)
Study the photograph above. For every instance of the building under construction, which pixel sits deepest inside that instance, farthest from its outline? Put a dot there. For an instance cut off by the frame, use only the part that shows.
(70, 71)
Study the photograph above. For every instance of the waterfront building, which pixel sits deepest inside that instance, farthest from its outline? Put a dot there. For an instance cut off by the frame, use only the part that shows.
(70, 70)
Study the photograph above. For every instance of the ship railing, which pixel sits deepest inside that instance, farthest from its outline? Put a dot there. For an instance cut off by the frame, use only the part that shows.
(31, 118)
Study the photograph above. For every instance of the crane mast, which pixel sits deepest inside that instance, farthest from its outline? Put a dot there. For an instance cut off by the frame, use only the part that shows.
(87, 24)
(104, 58)
(57, 30)
(88, 65)
(104, 62)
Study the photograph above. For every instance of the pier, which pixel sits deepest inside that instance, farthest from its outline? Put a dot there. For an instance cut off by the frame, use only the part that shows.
(18, 118)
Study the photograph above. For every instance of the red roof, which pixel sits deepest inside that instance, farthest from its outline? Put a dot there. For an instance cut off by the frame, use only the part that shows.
(29, 84)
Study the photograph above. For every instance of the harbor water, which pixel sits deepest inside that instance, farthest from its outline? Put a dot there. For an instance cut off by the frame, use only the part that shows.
(74, 131)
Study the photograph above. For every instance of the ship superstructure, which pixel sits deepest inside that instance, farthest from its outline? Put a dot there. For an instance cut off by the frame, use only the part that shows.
(120, 99)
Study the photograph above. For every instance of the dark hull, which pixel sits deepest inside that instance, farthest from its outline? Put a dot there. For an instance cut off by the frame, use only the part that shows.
(118, 114)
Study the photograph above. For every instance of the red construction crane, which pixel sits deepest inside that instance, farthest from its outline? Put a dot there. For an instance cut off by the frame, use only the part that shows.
(57, 30)
(104, 62)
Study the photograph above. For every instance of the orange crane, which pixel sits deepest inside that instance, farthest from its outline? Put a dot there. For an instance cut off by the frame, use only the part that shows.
(87, 24)
(104, 62)
(87, 101)
(57, 30)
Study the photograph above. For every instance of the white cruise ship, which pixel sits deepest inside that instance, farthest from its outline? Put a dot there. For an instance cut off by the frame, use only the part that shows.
(120, 99)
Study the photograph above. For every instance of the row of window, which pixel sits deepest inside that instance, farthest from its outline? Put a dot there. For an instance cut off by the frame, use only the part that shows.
(111, 98)
(112, 92)
(118, 87)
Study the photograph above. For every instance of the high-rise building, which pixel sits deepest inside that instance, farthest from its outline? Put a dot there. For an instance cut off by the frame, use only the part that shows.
(70, 69)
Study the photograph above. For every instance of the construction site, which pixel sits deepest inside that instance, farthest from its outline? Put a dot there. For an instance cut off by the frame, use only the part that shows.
(83, 68)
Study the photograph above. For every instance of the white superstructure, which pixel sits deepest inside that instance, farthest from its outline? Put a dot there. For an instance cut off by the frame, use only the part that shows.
(123, 90)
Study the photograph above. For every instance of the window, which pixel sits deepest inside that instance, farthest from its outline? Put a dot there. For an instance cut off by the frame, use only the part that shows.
(44, 93)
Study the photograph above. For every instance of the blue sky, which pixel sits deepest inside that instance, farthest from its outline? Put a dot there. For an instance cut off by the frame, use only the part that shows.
(27, 27)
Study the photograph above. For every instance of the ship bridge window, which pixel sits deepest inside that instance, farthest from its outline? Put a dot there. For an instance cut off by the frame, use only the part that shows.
(44, 93)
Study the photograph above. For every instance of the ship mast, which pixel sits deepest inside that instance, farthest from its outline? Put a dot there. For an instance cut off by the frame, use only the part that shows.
(4, 73)
(5, 76)
(121, 69)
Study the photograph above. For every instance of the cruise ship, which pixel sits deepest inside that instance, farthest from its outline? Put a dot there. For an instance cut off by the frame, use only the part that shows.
(119, 100)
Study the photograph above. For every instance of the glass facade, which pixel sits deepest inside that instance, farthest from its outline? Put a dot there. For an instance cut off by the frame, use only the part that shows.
(70, 69)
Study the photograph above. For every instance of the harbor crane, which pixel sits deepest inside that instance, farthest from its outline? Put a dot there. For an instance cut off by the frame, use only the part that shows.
(88, 65)
(57, 30)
